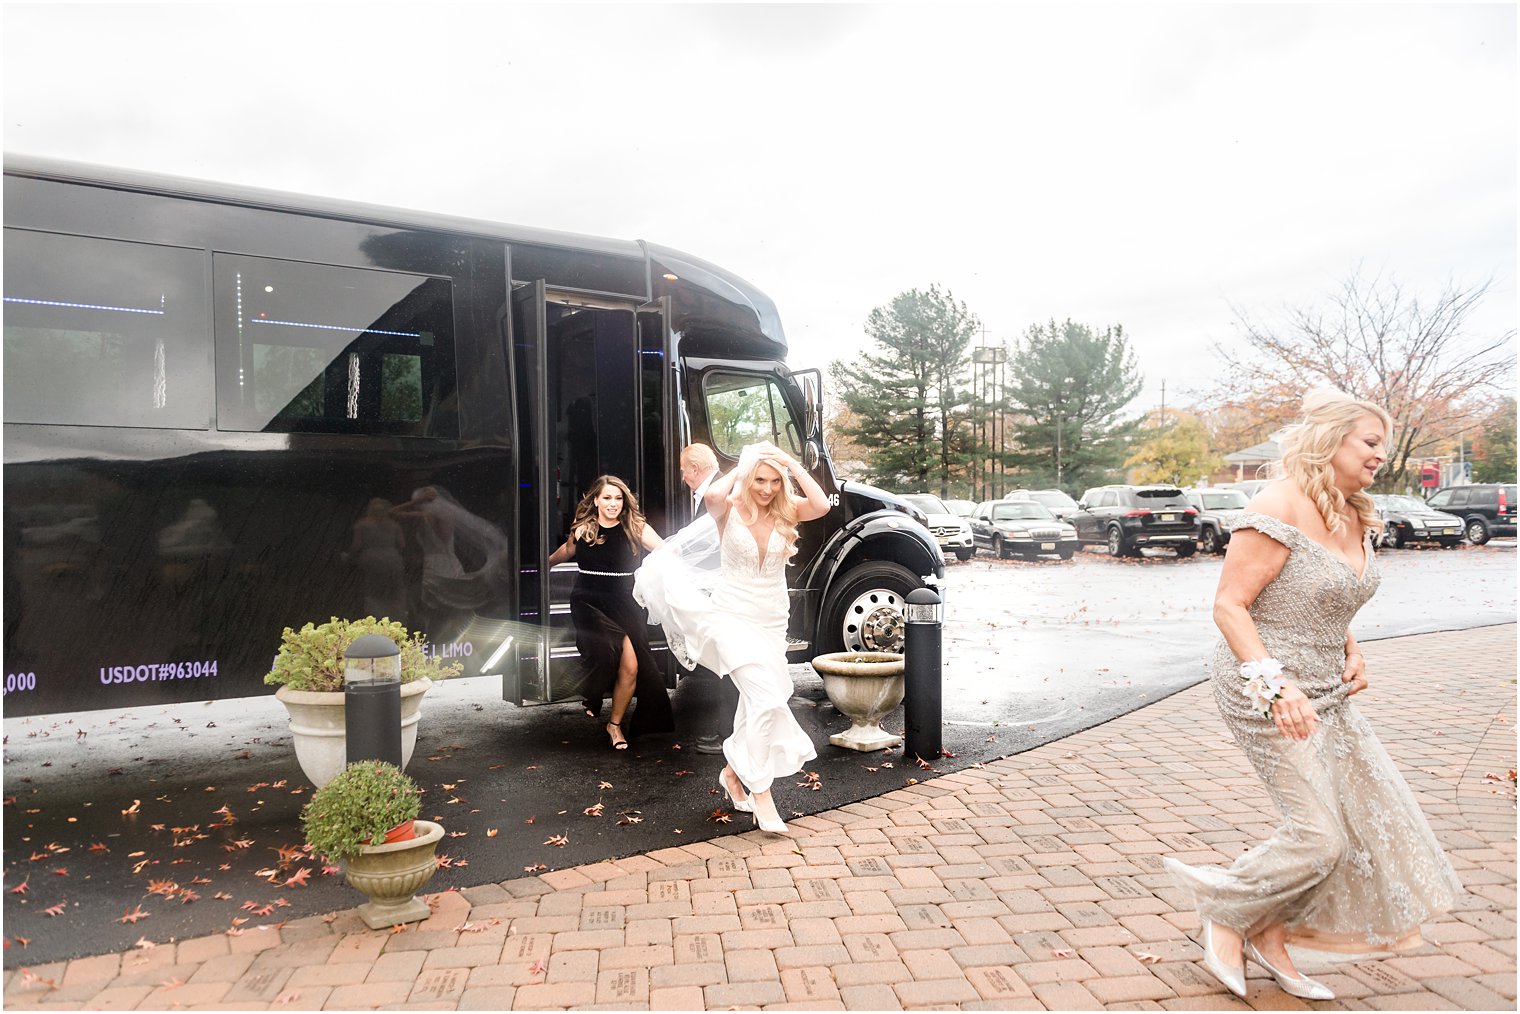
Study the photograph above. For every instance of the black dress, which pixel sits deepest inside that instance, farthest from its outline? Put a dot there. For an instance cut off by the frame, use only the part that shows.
(602, 607)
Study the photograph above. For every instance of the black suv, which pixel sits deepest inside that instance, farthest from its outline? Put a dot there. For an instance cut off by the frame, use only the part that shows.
(1125, 518)
(1486, 510)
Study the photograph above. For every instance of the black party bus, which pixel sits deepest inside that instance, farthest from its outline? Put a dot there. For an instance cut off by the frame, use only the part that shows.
(230, 410)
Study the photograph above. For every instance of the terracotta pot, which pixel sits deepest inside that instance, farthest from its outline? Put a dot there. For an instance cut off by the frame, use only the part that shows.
(401, 832)
(392, 874)
(320, 735)
(865, 686)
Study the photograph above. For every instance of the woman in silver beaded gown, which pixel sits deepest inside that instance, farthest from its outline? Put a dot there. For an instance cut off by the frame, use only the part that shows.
(1354, 866)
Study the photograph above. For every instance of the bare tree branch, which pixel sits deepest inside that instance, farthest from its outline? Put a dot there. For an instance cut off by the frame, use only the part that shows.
(1373, 340)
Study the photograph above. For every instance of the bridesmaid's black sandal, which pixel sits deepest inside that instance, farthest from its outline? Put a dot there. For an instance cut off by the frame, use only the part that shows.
(617, 744)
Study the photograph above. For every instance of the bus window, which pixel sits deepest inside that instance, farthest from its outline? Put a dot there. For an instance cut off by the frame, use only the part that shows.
(104, 333)
(743, 408)
(310, 348)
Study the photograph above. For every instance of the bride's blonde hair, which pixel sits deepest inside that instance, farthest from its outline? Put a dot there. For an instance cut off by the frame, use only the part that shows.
(1328, 415)
(782, 509)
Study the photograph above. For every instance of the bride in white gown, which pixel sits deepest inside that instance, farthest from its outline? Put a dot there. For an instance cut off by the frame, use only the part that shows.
(738, 630)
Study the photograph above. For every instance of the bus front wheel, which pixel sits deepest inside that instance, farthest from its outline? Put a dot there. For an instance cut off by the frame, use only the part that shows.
(865, 611)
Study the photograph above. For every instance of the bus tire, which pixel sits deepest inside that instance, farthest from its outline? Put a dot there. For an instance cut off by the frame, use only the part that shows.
(864, 612)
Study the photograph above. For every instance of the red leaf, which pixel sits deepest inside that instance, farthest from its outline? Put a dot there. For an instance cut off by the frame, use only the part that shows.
(54, 910)
(289, 853)
(134, 915)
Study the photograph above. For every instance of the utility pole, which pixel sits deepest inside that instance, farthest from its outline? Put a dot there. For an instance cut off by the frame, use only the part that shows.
(987, 360)
(1060, 411)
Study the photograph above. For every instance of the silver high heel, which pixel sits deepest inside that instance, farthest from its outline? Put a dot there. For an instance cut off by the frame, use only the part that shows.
(739, 805)
(1233, 979)
(1302, 986)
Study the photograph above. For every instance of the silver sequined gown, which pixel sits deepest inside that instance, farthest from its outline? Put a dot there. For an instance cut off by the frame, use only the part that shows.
(1354, 867)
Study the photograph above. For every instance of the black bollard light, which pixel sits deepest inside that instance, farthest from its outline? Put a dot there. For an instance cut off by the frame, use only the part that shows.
(923, 689)
(372, 699)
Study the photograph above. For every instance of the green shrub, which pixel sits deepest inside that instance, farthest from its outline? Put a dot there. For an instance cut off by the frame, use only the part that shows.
(362, 802)
(312, 658)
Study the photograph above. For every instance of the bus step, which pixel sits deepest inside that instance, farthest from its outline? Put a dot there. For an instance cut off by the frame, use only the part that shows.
(793, 647)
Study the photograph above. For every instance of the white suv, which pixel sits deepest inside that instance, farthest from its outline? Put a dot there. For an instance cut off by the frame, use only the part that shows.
(950, 530)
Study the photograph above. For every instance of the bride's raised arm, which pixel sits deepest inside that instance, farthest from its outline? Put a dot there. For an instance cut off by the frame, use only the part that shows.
(716, 497)
(813, 503)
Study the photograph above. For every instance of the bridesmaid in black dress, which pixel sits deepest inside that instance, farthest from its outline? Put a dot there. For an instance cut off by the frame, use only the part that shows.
(607, 537)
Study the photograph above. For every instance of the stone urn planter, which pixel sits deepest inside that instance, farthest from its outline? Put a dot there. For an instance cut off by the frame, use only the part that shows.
(392, 874)
(318, 730)
(865, 686)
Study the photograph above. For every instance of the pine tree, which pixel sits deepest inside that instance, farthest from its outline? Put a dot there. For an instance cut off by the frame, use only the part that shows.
(1070, 383)
(905, 397)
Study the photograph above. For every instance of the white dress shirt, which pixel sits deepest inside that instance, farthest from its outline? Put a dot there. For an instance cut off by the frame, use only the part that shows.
(697, 494)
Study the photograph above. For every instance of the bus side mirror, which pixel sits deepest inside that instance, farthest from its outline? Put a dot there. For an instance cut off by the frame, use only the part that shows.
(811, 383)
(810, 455)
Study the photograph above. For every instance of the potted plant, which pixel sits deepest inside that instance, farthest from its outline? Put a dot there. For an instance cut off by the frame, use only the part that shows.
(309, 673)
(865, 686)
(365, 818)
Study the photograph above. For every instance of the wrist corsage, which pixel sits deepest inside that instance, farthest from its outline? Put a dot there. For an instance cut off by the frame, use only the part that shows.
(1262, 682)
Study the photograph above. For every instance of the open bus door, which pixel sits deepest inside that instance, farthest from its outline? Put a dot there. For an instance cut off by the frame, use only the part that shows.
(592, 401)
(662, 495)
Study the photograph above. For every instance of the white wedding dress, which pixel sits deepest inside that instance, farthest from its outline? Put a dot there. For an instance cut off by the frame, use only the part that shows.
(739, 631)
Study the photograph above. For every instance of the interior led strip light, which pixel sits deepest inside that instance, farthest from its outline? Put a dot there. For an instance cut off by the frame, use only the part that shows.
(81, 306)
(336, 327)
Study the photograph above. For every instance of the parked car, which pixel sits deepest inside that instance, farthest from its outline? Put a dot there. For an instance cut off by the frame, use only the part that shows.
(1022, 528)
(1249, 487)
(894, 501)
(965, 508)
(1408, 519)
(950, 530)
(1127, 518)
(1486, 509)
(1216, 508)
(1061, 505)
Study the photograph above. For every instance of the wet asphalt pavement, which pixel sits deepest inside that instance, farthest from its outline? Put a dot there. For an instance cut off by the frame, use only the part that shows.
(175, 822)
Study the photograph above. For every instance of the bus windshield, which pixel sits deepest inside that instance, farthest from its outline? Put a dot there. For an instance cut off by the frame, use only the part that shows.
(743, 408)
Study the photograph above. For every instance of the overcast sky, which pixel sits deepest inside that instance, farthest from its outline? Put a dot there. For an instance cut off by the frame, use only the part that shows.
(1146, 165)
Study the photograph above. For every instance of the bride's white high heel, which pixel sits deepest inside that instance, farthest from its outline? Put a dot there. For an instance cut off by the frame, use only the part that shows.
(740, 805)
(770, 822)
(1300, 986)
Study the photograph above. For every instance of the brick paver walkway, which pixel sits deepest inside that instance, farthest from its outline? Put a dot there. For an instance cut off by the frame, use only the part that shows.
(1031, 883)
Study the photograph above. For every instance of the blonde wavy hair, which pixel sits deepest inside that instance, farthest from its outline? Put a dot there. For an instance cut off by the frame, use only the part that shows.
(1328, 415)
(586, 528)
(782, 509)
